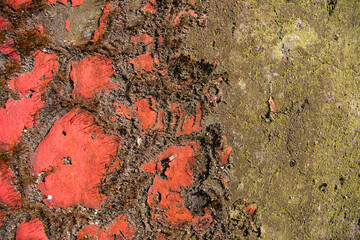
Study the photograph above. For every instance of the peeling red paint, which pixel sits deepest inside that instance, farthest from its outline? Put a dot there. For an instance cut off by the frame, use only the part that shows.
(65, 2)
(192, 124)
(150, 7)
(4, 23)
(251, 209)
(143, 62)
(120, 227)
(147, 116)
(145, 111)
(33, 229)
(45, 66)
(67, 25)
(76, 2)
(100, 30)
(9, 197)
(120, 109)
(18, 114)
(40, 28)
(16, 4)
(78, 151)
(145, 38)
(179, 16)
(91, 76)
(8, 49)
(167, 185)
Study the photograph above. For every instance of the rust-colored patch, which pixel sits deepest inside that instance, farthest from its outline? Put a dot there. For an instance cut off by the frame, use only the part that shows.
(100, 30)
(120, 227)
(272, 104)
(150, 7)
(33, 229)
(173, 171)
(91, 76)
(251, 208)
(78, 151)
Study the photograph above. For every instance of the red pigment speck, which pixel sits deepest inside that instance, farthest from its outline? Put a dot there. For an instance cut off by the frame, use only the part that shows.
(171, 209)
(16, 4)
(143, 62)
(18, 114)
(145, 38)
(100, 30)
(79, 160)
(8, 49)
(121, 109)
(31, 230)
(110, 232)
(76, 2)
(67, 25)
(91, 75)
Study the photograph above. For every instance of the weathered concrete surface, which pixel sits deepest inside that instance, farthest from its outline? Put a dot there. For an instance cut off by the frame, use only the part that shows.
(179, 119)
(300, 163)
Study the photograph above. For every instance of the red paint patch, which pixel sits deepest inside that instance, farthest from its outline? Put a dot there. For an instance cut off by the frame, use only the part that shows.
(147, 116)
(91, 75)
(65, 2)
(8, 49)
(251, 209)
(120, 109)
(45, 66)
(9, 197)
(120, 227)
(4, 23)
(100, 30)
(78, 150)
(16, 4)
(150, 7)
(76, 2)
(18, 114)
(33, 229)
(143, 62)
(167, 190)
(40, 28)
(192, 124)
(145, 38)
(67, 25)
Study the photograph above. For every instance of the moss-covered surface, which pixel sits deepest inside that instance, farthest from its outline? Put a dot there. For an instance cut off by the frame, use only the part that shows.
(299, 163)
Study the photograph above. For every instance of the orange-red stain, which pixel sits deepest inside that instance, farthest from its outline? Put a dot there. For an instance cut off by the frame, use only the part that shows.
(74, 137)
(110, 232)
(91, 75)
(33, 229)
